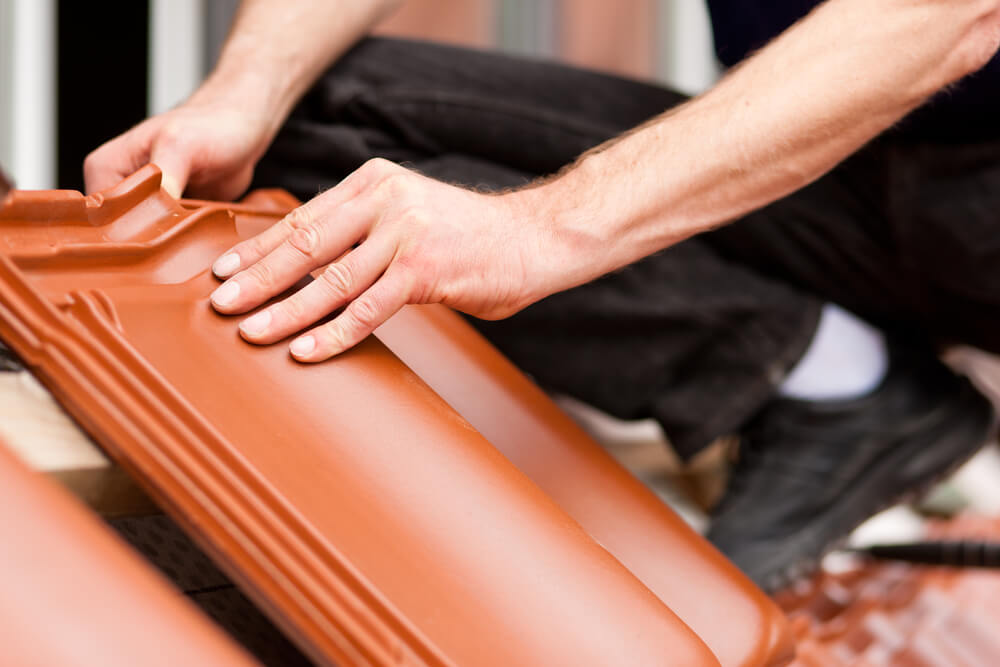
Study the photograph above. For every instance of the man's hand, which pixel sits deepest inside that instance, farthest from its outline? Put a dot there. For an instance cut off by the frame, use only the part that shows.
(210, 144)
(418, 241)
(208, 149)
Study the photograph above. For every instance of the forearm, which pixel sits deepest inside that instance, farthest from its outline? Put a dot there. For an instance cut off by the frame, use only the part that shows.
(779, 121)
(276, 49)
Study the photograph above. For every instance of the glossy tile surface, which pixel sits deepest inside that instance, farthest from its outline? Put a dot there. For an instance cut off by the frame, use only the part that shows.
(361, 511)
(74, 595)
(736, 620)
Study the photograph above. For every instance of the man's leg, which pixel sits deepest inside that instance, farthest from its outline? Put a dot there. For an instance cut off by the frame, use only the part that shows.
(904, 256)
(411, 102)
(911, 241)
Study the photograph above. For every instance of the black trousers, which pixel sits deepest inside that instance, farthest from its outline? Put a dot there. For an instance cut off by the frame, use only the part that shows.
(698, 336)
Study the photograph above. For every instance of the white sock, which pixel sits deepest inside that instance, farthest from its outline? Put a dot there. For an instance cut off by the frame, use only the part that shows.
(847, 358)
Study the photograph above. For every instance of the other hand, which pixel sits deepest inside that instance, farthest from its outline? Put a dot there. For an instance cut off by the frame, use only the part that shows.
(208, 148)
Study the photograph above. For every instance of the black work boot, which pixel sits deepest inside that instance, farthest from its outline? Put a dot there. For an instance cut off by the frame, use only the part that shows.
(809, 472)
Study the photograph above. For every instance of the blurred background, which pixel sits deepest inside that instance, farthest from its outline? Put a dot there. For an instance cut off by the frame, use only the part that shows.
(74, 74)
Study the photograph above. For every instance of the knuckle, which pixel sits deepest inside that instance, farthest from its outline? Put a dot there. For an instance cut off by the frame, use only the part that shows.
(414, 214)
(262, 274)
(376, 166)
(305, 239)
(411, 267)
(291, 309)
(255, 246)
(298, 218)
(393, 187)
(364, 312)
(171, 134)
(337, 279)
(333, 337)
(399, 182)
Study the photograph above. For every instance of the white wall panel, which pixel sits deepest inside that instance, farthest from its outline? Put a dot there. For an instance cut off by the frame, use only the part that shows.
(686, 53)
(176, 51)
(28, 91)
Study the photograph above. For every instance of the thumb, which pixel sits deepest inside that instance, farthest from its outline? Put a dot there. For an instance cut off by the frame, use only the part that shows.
(175, 167)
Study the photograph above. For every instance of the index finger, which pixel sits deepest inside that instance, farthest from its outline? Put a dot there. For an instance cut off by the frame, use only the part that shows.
(310, 246)
(246, 253)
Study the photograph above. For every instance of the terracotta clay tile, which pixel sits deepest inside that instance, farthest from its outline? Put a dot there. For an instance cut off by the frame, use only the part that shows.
(74, 595)
(359, 509)
(899, 615)
(741, 625)
(623, 515)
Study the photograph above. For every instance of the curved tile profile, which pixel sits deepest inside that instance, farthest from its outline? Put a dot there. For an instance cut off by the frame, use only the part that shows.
(739, 623)
(75, 595)
(372, 521)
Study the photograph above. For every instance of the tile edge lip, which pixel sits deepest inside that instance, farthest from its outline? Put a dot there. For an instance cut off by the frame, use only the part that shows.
(75, 358)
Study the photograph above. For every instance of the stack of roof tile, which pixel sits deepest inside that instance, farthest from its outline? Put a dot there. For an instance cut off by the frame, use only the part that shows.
(901, 615)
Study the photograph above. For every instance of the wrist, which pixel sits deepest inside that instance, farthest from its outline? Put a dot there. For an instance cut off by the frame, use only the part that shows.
(250, 94)
(260, 84)
(604, 213)
(564, 215)
(589, 210)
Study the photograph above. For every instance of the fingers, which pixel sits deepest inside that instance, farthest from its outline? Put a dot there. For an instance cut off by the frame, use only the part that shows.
(111, 162)
(339, 283)
(147, 142)
(246, 253)
(309, 237)
(307, 244)
(359, 319)
(174, 164)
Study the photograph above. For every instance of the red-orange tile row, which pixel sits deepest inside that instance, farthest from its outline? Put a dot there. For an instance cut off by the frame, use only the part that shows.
(416, 500)
(901, 615)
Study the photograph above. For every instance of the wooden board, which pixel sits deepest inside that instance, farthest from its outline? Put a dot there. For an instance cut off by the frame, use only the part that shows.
(34, 426)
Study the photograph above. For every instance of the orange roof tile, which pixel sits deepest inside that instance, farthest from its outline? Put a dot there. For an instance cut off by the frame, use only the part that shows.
(901, 615)
(356, 506)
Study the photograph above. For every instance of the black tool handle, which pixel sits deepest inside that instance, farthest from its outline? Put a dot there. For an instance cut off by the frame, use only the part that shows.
(952, 553)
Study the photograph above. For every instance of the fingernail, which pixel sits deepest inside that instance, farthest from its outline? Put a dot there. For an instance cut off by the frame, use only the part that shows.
(226, 265)
(303, 346)
(226, 294)
(257, 324)
(171, 186)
